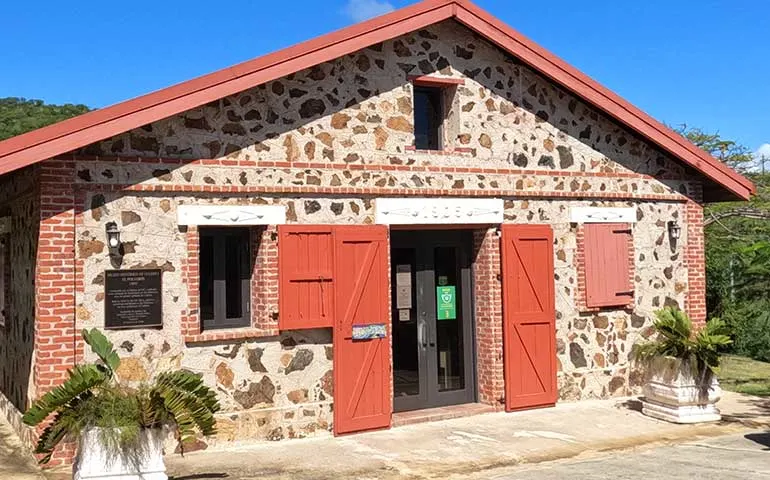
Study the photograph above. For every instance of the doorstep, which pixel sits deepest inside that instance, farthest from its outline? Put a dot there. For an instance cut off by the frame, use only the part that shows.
(401, 419)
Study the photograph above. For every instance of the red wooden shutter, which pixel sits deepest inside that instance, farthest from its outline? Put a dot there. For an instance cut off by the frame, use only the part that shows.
(305, 270)
(362, 399)
(607, 264)
(529, 316)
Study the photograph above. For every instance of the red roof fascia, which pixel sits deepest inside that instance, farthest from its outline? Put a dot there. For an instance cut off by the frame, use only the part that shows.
(585, 87)
(47, 142)
(18, 152)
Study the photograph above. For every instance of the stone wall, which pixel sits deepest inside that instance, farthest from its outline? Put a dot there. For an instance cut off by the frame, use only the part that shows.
(356, 111)
(325, 143)
(20, 204)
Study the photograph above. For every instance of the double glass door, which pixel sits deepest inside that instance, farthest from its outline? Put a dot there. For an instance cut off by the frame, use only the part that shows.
(433, 338)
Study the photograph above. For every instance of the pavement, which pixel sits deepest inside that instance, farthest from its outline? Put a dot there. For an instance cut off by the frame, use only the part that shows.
(479, 445)
(493, 445)
(16, 463)
(734, 457)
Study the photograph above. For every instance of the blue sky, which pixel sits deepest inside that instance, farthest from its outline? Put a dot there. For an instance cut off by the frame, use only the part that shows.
(700, 62)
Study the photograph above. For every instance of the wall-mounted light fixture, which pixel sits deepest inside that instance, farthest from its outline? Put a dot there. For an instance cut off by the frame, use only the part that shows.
(674, 230)
(113, 241)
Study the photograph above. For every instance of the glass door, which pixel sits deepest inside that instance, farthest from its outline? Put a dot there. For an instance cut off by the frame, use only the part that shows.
(433, 336)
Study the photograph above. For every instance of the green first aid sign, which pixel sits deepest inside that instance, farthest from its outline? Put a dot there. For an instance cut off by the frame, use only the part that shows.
(446, 303)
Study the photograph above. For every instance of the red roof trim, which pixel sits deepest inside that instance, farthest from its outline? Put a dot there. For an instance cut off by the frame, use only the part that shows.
(44, 143)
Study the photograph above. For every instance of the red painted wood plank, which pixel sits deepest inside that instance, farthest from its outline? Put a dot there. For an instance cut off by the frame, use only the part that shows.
(306, 278)
(529, 316)
(607, 265)
(362, 369)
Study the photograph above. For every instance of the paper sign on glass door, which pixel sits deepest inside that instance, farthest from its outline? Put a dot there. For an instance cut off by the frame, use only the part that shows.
(403, 287)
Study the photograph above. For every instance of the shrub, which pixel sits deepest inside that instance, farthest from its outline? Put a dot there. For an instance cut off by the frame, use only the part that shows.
(92, 398)
(750, 325)
(677, 339)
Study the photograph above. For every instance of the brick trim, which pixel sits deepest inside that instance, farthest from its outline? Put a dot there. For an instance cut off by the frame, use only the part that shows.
(581, 301)
(456, 151)
(264, 289)
(381, 192)
(55, 333)
(695, 259)
(232, 162)
(489, 317)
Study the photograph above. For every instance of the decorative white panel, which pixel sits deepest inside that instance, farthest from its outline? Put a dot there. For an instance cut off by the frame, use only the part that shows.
(438, 211)
(602, 215)
(231, 215)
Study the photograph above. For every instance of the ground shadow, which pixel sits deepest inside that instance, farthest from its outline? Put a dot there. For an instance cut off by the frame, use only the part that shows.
(200, 476)
(750, 411)
(760, 438)
(634, 404)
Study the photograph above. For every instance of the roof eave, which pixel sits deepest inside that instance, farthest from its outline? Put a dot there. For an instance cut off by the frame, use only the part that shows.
(98, 125)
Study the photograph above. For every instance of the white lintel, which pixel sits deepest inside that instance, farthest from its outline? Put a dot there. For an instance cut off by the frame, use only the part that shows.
(231, 215)
(603, 215)
(438, 211)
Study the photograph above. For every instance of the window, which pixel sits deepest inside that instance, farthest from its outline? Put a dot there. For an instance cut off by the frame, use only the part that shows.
(225, 275)
(608, 265)
(5, 278)
(428, 118)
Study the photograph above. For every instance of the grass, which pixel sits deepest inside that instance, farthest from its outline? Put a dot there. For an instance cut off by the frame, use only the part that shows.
(744, 375)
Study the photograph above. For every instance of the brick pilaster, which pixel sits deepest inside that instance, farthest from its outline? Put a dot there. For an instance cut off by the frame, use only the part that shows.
(489, 318)
(695, 256)
(55, 330)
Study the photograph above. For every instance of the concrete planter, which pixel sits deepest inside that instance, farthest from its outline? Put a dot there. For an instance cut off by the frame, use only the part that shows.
(97, 461)
(677, 392)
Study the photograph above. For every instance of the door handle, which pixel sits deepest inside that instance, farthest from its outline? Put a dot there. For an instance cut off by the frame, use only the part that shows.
(421, 333)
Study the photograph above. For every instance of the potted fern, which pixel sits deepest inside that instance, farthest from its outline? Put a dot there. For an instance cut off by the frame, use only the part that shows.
(120, 430)
(680, 364)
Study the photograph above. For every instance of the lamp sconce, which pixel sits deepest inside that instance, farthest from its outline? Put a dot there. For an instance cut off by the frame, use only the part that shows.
(113, 243)
(674, 230)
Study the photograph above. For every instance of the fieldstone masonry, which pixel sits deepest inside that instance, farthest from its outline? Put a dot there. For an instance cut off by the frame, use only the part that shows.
(325, 143)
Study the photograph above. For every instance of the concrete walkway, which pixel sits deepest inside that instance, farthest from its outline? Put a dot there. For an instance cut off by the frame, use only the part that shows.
(16, 463)
(481, 445)
(458, 447)
(733, 457)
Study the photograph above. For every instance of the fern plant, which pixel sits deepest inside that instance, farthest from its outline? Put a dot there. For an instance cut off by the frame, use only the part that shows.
(93, 398)
(676, 339)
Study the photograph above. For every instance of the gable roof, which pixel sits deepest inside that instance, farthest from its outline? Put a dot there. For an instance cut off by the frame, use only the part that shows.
(68, 135)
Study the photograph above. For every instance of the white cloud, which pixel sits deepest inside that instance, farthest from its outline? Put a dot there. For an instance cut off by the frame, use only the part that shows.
(360, 10)
(764, 150)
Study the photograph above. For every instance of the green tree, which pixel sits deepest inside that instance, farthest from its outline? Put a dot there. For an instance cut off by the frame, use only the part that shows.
(19, 115)
(733, 154)
(738, 250)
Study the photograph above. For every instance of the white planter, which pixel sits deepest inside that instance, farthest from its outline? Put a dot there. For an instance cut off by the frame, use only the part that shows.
(676, 392)
(95, 461)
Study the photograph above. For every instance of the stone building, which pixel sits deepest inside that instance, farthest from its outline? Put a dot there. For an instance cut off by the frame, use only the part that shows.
(422, 210)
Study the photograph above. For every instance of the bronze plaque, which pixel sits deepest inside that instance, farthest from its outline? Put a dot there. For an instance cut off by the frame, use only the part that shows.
(133, 299)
